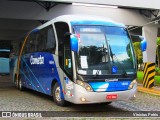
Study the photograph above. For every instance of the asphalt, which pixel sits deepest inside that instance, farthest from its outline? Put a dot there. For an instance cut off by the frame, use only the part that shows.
(154, 90)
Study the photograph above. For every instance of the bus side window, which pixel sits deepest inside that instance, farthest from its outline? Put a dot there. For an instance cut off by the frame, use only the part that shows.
(32, 42)
(38, 39)
(51, 41)
(27, 46)
(41, 41)
(45, 40)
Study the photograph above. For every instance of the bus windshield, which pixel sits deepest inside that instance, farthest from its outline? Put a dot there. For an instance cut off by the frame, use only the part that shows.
(102, 48)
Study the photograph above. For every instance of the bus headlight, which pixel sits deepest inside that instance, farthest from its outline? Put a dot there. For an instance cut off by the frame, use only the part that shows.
(132, 84)
(85, 85)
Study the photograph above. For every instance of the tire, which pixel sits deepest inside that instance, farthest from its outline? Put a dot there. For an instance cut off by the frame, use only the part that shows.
(107, 103)
(20, 87)
(56, 93)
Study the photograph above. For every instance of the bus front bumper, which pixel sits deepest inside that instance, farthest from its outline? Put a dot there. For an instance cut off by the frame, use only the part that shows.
(81, 96)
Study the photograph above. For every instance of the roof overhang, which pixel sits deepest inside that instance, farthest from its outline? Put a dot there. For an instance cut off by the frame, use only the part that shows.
(140, 4)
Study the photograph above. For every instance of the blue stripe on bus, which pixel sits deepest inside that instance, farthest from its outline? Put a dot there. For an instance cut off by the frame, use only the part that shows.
(28, 80)
(47, 67)
(33, 75)
(110, 86)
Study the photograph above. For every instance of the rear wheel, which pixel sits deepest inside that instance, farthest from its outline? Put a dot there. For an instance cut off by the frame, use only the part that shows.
(56, 92)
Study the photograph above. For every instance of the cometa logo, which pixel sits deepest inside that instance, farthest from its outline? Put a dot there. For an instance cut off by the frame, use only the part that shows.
(39, 60)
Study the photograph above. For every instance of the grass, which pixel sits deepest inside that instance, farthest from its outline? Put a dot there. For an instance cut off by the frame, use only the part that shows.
(140, 78)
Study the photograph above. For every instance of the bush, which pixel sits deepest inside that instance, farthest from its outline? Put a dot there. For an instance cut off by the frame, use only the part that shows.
(157, 70)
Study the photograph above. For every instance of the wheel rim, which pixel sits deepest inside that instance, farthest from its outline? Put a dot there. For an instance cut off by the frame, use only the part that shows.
(57, 94)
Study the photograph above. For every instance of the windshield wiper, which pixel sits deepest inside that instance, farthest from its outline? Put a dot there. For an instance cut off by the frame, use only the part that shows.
(119, 64)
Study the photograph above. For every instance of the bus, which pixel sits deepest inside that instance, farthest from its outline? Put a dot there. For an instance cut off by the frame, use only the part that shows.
(78, 59)
(4, 61)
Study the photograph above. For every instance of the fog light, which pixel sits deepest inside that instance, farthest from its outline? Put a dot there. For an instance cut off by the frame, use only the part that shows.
(83, 99)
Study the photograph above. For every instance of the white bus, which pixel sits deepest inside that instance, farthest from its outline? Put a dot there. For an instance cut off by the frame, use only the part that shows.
(78, 59)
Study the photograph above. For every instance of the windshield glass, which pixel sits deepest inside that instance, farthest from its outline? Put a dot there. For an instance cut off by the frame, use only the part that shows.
(103, 48)
(120, 49)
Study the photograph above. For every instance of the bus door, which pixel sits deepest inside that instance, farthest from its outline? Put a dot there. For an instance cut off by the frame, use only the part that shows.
(65, 58)
(68, 69)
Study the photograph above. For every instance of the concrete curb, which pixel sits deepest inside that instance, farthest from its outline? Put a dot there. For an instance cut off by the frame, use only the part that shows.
(152, 91)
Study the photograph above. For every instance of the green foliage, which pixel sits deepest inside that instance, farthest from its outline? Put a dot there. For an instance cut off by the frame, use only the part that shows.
(138, 52)
(158, 40)
(158, 55)
(140, 76)
(157, 70)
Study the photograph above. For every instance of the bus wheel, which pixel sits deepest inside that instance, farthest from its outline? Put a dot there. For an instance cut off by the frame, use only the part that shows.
(57, 96)
(20, 85)
(106, 103)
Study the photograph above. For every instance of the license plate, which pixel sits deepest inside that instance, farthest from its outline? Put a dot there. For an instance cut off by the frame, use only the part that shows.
(111, 96)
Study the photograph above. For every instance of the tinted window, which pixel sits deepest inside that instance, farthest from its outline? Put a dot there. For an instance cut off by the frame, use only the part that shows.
(51, 42)
(41, 41)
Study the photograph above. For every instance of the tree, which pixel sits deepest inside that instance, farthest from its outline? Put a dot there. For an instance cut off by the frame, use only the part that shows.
(158, 51)
(138, 52)
(158, 40)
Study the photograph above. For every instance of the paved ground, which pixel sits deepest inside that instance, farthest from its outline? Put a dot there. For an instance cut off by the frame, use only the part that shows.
(12, 99)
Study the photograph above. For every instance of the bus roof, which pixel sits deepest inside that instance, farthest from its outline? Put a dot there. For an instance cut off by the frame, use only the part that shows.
(87, 20)
(82, 20)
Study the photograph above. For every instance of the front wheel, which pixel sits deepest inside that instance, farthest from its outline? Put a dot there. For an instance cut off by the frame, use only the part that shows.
(56, 92)
(106, 103)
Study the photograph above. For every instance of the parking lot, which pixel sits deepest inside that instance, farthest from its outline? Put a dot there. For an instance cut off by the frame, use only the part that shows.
(28, 100)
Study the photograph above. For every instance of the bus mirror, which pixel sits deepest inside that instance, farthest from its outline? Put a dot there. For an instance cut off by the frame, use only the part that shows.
(74, 43)
(143, 44)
